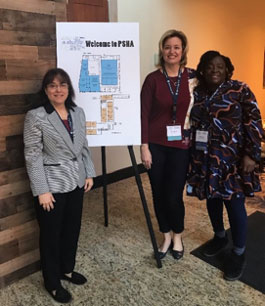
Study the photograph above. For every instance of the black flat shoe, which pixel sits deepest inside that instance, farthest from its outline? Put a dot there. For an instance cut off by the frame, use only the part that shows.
(76, 278)
(161, 255)
(61, 295)
(178, 254)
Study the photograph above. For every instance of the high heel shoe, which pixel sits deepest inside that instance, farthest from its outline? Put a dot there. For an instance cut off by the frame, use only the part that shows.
(178, 254)
(161, 255)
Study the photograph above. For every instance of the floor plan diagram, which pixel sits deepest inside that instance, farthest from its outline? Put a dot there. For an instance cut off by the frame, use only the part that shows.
(100, 73)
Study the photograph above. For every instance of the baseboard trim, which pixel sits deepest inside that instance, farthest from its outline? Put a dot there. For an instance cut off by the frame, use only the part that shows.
(118, 175)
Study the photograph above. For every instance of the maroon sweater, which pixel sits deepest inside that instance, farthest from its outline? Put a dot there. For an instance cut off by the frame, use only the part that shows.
(156, 108)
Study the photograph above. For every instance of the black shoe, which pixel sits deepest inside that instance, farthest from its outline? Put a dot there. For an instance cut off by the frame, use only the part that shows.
(161, 255)
(178, 254)
(61, 295)
(214, 246)
(234, 266)
(76, 278)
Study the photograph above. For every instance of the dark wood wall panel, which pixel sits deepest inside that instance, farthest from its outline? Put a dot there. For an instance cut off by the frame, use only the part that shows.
(12, 205)
(46, 53)
(9, 251)
(3, 70)
(17, 219)
(27, 51)
(16, 104)
(28, 22)
(26, 38)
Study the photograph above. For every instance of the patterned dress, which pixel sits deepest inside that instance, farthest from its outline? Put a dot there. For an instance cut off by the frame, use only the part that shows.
(233, 121)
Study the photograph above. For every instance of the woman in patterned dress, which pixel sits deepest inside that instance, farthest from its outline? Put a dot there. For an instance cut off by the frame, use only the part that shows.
(226, 151)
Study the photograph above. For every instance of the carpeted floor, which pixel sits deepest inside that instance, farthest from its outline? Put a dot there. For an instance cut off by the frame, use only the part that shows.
(118, 260)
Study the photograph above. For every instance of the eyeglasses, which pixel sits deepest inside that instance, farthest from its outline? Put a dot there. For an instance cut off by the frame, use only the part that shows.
(54, 86)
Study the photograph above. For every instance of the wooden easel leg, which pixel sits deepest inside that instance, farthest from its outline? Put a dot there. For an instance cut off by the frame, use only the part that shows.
(104, 176)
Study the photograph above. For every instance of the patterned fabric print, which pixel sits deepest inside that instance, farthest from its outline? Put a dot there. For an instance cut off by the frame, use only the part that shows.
(234, 124)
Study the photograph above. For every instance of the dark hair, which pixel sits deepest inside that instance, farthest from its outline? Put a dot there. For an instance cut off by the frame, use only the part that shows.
(204, 62)
(169, 34)
(64, 78)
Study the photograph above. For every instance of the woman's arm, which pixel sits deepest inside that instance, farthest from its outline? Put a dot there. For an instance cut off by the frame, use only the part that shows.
(146, 105)
(33, 147)
(253, 131)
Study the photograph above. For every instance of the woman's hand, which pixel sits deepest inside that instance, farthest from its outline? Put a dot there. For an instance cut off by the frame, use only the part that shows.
(46, 200)
(248, 164)
(146, 156)
(88, 184)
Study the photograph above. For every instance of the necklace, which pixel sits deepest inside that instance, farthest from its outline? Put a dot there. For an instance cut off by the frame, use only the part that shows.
(172, 81)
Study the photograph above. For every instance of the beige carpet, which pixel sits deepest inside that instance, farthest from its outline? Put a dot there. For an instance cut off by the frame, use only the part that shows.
(118, 260)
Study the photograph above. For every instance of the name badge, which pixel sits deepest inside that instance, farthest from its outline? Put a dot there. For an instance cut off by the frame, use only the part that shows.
(201, 140)
(174, 132)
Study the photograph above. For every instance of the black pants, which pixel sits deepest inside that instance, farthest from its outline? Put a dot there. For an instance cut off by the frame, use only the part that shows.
(237, 218)
(59, 233)
(168, 177)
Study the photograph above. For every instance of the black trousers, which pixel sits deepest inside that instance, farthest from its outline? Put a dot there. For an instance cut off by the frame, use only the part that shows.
(237, 216)
(59, 233)
(168, 177)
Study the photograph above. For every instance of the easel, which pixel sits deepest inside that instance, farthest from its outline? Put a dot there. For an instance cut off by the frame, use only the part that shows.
(142, 195)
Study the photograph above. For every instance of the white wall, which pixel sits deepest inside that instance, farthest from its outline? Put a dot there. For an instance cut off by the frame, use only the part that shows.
(236, 28)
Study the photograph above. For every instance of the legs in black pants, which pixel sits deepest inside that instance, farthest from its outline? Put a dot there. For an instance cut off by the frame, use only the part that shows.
(237, 218)
(168, 177)
(59, 233)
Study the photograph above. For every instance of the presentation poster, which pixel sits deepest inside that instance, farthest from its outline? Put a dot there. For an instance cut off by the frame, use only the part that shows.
(102, 60)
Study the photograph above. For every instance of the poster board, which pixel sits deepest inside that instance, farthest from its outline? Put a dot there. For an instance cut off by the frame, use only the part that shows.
(102, 60)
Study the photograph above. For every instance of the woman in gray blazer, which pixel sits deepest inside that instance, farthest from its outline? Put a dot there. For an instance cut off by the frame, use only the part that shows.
(60, 170)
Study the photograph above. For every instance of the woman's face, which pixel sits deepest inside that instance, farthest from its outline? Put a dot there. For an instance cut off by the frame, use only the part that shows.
(57, 92)
(172, 51)
(215, 72)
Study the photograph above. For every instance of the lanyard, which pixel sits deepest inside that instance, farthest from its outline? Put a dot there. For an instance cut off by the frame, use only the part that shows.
(174, 95)
(208, 100)
(70, 122)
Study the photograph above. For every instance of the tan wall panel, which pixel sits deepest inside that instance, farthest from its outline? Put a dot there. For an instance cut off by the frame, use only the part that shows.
(57, 8)
(11, 125)
(26, 69)
(19, 262)
(60, 12)
(19, 87)
(18, 52)
(33, 6)
(19, 231)
(13, 189)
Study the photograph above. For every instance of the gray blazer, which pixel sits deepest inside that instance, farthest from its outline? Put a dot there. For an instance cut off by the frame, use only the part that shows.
(54, 162)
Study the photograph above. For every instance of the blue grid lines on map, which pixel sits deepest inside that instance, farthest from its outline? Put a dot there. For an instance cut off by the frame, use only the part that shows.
(109, 72)
(88, 83)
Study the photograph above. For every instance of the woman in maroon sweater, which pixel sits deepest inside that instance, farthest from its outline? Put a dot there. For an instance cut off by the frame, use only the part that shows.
(166, 102)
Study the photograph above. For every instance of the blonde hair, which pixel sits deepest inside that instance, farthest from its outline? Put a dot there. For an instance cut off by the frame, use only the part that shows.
(169, 34)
